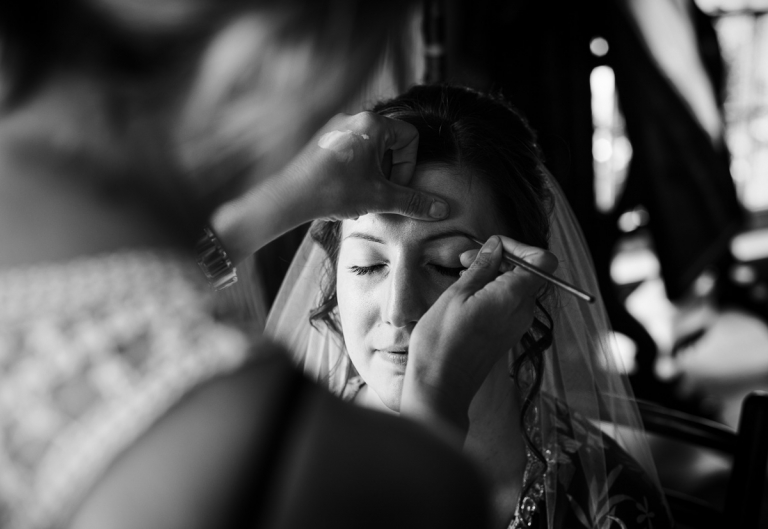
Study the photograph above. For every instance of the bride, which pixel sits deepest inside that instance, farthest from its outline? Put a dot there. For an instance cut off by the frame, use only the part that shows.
(539, 405)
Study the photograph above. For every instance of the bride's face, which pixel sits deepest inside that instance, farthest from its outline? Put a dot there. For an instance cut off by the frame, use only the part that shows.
(391, 269)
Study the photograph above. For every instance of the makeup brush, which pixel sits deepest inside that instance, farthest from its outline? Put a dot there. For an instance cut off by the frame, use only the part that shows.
(522, 263)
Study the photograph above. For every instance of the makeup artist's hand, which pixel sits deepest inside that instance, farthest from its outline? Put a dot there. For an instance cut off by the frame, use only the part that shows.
(474, 322)
(360, 164)
(353, 166)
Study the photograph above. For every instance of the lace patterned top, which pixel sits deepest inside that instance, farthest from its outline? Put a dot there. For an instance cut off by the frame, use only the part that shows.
(627, 500)
(92, 351)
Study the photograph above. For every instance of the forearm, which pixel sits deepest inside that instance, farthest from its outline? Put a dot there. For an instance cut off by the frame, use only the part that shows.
(249, 222)
(338, 178)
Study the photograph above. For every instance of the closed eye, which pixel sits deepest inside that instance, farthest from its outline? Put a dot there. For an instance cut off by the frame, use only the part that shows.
(365, 270)
(448, 271)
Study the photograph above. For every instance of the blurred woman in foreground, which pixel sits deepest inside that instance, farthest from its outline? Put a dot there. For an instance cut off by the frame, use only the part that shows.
(124, 124)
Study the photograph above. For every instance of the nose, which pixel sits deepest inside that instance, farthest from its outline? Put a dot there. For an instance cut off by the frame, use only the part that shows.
(405, 303)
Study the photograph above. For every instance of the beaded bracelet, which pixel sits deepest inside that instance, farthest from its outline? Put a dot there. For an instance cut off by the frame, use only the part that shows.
(214, 261)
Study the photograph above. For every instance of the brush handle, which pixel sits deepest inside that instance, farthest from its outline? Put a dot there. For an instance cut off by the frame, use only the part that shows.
(522, 263)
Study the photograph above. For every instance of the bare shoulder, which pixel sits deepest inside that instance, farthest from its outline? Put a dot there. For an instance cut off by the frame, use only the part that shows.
(266, 447)
(354, 467)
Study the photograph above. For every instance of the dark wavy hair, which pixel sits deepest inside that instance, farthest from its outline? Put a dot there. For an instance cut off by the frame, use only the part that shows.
(484, 137)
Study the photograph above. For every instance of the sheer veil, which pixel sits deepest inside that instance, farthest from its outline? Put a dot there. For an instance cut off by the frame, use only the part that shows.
(581, 369)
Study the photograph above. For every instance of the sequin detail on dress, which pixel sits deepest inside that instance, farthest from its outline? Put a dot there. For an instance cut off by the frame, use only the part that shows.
(92, 351)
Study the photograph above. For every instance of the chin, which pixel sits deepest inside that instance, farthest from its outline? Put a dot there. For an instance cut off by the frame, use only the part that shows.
(392, 403)
(390, 394)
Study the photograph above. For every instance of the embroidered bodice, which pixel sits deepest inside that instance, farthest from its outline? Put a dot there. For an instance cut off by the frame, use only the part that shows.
(92, 351)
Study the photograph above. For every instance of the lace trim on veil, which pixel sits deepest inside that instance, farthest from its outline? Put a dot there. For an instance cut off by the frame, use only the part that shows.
(534, 478)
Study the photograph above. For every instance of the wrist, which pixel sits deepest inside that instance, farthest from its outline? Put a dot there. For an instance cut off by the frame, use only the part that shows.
(248, 222)
(433, 399)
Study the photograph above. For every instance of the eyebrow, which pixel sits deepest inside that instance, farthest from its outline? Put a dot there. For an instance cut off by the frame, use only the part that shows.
(443, 234)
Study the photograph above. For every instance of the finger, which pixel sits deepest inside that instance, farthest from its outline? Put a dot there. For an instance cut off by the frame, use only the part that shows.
(505, 266)
(538, 257)
(408, 202)
(468, 257)
(510, 289)
(403, 139)
(483, 270)
(529, 283)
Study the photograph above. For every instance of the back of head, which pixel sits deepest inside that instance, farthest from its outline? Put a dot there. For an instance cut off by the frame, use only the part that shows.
(190, 97)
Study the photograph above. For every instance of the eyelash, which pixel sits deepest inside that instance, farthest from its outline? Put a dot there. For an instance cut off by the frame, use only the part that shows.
(364, 270)
(442, 270)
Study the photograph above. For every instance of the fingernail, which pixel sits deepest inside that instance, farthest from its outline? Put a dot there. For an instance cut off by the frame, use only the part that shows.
(438, 209)
(490, 245)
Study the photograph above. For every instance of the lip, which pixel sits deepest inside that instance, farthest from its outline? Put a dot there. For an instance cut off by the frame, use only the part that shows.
(396, 356)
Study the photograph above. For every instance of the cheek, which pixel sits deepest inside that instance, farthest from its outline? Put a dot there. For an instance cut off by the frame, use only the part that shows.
(357, 311)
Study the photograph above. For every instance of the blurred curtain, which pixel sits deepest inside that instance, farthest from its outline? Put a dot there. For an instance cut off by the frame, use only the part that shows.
(537, 53)
(669, 77)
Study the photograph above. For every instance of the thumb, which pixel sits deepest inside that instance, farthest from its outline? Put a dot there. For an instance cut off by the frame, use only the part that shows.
(484, 269)
(408, 202)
